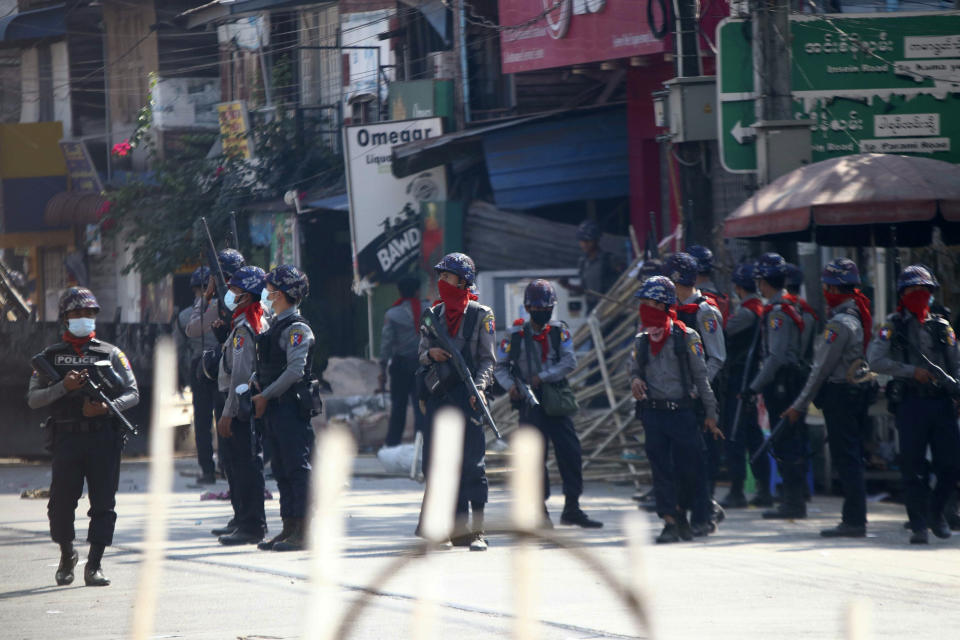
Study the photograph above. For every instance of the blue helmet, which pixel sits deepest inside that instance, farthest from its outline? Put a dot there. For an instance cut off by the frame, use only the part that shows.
(539, 293)
(770, 265)
(77, 298)
(589, 230)
(230, 260)
(794, 275)
(460, 264)
(650, 267)
(290, 280)
(743, 276)
(249, 279)
(199, 276)
(682, 268)
(658, 289)
(916, 275)
(841, 271)
(704, 257)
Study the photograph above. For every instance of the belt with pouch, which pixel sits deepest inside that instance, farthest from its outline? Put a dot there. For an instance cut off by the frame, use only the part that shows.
(669, 405)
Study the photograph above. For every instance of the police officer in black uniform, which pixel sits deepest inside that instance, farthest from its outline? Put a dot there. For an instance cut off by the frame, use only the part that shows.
(86, 439)
(284, 361)
(907, 344)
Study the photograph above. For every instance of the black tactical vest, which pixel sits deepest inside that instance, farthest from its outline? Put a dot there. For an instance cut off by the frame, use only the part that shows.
(64, 358)
(271, 356)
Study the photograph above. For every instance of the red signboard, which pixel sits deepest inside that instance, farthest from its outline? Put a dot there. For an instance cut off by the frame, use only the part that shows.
(574, 32)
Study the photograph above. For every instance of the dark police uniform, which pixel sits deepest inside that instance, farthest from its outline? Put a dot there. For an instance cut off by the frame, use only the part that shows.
(843, 403)
(740, 332)
(399, 344)
(926, 415)
(779, 379)
(83, 448)
(284, 361)
(204, 391)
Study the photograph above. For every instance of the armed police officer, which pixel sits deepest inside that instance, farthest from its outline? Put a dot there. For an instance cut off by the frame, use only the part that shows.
(669, 380)
(86, 439)
(700, 313)
(598, 269)
(399, 342)
(242, 441)
(919, 349)
(538, 353)
(742, 337)
(705, 283)
(284, 362)
(470, 328)
(203, 389)
(779, 378)
(833, 386)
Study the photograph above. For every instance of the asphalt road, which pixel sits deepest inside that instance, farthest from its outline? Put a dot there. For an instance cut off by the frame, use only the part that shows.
(753, 579)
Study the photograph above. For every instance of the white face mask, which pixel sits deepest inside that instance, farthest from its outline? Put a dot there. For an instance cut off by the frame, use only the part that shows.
(230, 299)
(81, 327)
(265, 302)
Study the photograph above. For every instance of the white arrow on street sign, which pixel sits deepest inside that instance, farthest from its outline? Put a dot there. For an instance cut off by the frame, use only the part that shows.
(740, 133)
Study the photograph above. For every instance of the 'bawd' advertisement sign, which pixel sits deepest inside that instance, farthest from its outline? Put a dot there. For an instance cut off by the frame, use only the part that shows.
(385, 210)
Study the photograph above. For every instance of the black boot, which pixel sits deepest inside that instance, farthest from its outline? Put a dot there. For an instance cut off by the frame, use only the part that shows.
(574, 515)
(670, 533)
(919, 537)
(683, 528)
(844, 530)
(939, 527)
(68, 560)
(794, 505)
(478, 542)
(267, 545)
(239, 537)
(92, 573)
(297, 540)
(734, 500)
(225, 530)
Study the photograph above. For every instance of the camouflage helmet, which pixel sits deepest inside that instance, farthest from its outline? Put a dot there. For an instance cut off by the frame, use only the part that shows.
(199, 276)
(540, 294)
(841, 271)
(589, 230)
(681, 268)
(770, 265)
(290, 280)
(460, 264)
(658, 289)
(916, 275)
(249, 279)
(794, 276)
(743, 276)
(230, 260)
(77, 298)
(703, 256)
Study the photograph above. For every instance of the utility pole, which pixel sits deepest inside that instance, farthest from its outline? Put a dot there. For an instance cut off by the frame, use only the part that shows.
(771, 62)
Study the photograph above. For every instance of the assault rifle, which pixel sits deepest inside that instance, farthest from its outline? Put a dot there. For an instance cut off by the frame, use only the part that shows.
(944, 380)
(217, 273)
(460, 365)
(526, 393)
(769, 442)
(92, 390)
(745, 384)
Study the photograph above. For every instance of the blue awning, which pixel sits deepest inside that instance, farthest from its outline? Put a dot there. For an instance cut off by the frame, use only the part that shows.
(580, 157)
(34, 24)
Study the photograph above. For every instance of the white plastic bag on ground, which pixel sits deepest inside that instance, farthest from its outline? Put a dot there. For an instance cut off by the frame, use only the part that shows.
(398, 459)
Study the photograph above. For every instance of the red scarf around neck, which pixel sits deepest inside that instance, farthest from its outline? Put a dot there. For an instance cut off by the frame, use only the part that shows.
(544, 343)
(803, 304)
(78, 343)
(863, 307)
(694, 307)
(754, 305)
(455, 301)
(917, 303)
(653, 318)
(415, 307)
(788, 309)
(254, 315)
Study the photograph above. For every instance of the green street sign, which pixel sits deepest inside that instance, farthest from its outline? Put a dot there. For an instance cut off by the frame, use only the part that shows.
(887, 84)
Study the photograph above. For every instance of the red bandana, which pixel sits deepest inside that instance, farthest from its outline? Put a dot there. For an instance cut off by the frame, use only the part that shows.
(659, 325)
(544, 345)
(77, 343)
(694, 307)
(863, 306)
(455, 301)
(803, 304)
(790, 310)
(754, 305)
(415, 307)
(254, 315)
(916, 302)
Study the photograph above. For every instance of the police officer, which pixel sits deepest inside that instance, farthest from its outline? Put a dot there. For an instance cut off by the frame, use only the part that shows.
(540, 352)
(779, 379)
(925, 413)
(399, 342)
(701, 314)
(669, 379)
(811, 321)
(470, 327)
(705, 283)
(840, 351)
(741, 334)
(243, 442)
(203, 389)
(204, 322)
(284, 361)
(86, 440)
(598, 270)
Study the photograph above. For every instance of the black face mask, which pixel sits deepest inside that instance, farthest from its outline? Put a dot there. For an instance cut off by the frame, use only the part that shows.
(541, 318)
